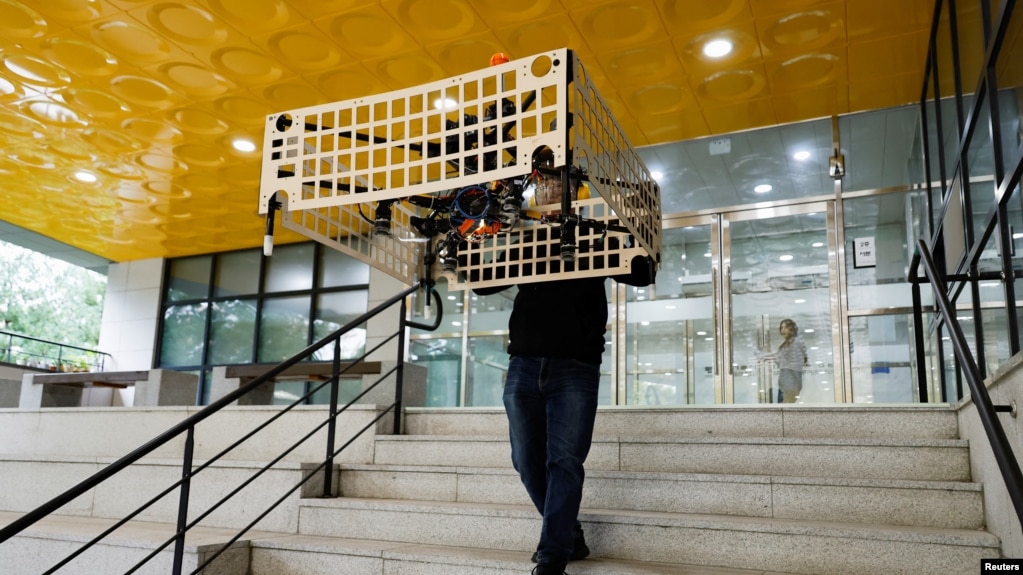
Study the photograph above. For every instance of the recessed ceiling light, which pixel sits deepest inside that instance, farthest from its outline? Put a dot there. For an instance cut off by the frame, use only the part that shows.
(243, 145)
(447, 103)
(657, 175)
(785, 258)
(1017, 235)
(87, 177)
(717, 48)
(763, 188)
(799, 301)
(801, 155)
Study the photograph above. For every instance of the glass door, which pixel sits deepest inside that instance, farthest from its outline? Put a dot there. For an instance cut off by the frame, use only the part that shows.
(776, 268)
(670, 327)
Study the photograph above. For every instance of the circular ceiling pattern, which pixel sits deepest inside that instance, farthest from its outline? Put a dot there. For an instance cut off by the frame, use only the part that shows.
(151, 94)
(131, 41)
(186, 24)
(81, 58)
(34, 71)
(142, 91)
(623, 23)
(246, 66)
(20, 22)
(94, 102)
(303, 50)
(437, 19)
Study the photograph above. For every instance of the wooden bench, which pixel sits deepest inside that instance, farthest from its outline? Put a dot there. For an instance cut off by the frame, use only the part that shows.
(226, 379)
(150, 388)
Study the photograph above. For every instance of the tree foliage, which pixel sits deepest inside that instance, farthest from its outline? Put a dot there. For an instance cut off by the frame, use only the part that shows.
(49, 299)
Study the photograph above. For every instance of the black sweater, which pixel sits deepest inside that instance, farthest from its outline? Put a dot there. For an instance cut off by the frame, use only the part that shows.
(565, 318)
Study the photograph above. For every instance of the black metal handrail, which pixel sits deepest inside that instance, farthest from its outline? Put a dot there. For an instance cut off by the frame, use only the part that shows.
(1000, 446)
(40, 360)
(187, 428)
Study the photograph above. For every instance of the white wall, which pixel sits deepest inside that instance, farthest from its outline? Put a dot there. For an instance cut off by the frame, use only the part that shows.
(1004, 387)
(130, 313)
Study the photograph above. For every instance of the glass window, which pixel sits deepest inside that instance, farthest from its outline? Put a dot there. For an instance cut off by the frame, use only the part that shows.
(283, 325)
(670, 350)
(487, 368)
(189, 278)
(237, 273)
(981, 165)
(183, 339)
(283, 328)
(333, 311)
(290, 268)
(883, 220)
(1010, 88)
(881, 148)
(232, 331)
(443, 359)
(338, 269)
(720, 171)
(880, 350)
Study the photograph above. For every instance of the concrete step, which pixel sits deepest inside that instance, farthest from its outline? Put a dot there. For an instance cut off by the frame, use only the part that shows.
(268, 553)
(795, 546)
(794, 421)
(310, 555)
(945, 504)
(917, 459)
(146, 479)
(52, 539)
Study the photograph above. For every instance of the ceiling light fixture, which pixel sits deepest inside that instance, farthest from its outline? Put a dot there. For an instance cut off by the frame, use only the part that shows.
(717, 48)
(817, 244)
(801, 155)
(763, 188)
(87, 177)
(657, 175)
(445, 103)
(785, 258)
(243, 145)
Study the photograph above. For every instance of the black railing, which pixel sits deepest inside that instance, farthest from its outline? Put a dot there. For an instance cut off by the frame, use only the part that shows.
(987, 411)
(187, 428)
(44, 355)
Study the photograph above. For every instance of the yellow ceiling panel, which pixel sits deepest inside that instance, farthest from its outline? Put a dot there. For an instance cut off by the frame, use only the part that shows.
(888, 56)
(118, 117)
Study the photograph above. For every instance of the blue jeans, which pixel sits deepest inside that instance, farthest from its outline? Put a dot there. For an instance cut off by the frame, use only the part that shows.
(551, 404)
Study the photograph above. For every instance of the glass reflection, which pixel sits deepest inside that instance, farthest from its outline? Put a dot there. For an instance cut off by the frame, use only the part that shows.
(232, 331)
(182, 341)
(189, 278)
(283, 328)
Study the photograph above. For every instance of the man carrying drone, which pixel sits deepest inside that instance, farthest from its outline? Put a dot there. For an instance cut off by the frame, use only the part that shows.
(556, 344)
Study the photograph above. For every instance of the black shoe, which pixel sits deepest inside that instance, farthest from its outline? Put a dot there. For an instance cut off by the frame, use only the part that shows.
(549, 569)
(579, 551)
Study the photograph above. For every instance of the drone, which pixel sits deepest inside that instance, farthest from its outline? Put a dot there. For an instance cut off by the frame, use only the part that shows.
(474, 214)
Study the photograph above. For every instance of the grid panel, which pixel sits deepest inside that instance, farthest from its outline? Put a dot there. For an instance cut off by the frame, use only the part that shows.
(369, 177)
(487, 126)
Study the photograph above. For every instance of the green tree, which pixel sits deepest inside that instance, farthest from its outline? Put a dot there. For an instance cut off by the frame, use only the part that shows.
(49, 299)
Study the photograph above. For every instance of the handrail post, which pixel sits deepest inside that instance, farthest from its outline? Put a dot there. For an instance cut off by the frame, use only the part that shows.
(918, 339)
(335, 383)
(186, 476)
(399, 373)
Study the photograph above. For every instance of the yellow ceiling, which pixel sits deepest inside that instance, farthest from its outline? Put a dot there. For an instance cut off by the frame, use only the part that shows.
(148, 95)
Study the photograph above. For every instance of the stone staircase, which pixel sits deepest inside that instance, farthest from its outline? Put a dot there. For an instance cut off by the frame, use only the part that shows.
(844, 490)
